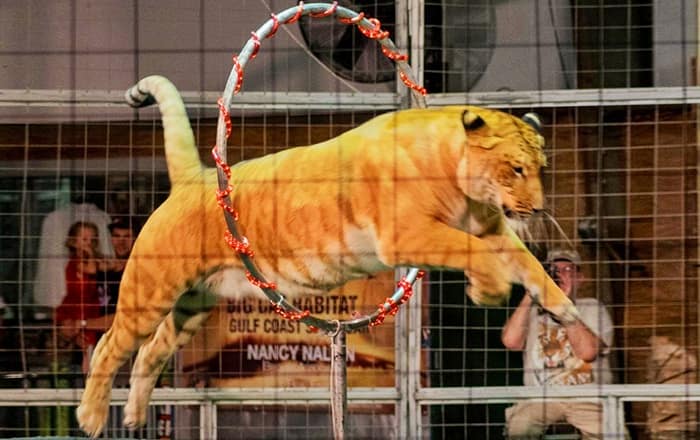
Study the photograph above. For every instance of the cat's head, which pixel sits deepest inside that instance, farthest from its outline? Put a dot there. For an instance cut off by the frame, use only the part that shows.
(502, 161)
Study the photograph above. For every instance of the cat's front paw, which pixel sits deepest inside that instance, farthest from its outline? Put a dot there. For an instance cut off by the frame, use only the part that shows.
(554, 301)
(566, 313)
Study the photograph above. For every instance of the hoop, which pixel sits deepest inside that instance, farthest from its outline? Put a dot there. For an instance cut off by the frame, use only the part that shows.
(370, 28)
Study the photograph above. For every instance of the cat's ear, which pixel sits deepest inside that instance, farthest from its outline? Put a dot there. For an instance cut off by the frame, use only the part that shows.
(533, 120)
(477, 130)
(472, 121)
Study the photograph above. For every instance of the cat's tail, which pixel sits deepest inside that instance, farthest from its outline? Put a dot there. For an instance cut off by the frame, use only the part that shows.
(181, 153)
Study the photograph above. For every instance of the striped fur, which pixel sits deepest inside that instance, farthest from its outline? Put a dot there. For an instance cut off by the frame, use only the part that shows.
(430, 188)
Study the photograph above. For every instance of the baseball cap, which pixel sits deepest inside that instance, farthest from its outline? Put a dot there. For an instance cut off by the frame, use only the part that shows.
(564, 254)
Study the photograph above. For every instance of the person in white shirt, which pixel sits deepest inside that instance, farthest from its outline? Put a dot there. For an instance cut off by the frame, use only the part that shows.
(557, 354)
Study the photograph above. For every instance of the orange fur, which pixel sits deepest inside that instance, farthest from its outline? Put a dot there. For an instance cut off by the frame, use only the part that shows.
(426, 188)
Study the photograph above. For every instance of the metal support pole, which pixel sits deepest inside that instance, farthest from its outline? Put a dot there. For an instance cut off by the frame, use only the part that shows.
(610, 419)
(207, 420)
(339, 383)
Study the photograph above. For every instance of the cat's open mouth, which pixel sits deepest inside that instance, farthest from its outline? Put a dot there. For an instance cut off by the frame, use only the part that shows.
(518, 221)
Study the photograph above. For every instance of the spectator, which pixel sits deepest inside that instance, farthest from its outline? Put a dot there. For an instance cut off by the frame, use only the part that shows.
(122, 235)
(92, 286)
(556, 354)
(81, 301)
(50, 283)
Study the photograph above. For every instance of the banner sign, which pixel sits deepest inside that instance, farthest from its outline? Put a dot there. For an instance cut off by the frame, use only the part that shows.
(245, 343)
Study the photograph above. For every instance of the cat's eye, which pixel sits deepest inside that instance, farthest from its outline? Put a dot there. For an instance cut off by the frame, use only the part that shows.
(518, 171)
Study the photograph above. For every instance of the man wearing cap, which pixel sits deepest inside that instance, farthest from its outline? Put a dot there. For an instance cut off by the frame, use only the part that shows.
(556, 354)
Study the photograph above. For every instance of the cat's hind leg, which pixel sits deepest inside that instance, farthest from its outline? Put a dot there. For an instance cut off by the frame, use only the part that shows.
(190, 312)
(139, 312)
(114, 348)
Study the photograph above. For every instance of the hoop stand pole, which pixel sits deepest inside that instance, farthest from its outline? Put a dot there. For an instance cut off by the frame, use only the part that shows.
(339, 383)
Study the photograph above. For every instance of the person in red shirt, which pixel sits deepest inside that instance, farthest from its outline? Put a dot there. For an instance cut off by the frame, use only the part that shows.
(81, 302)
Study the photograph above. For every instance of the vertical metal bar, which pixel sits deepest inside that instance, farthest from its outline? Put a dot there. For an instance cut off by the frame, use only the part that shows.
(620, 408)
(401, 369)
(410, 324)
(207, 420)
(413, 355)
(407, 28)
(214, 414)
(339, 383)
(401, 39)
(416, 19)
(610, 419)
